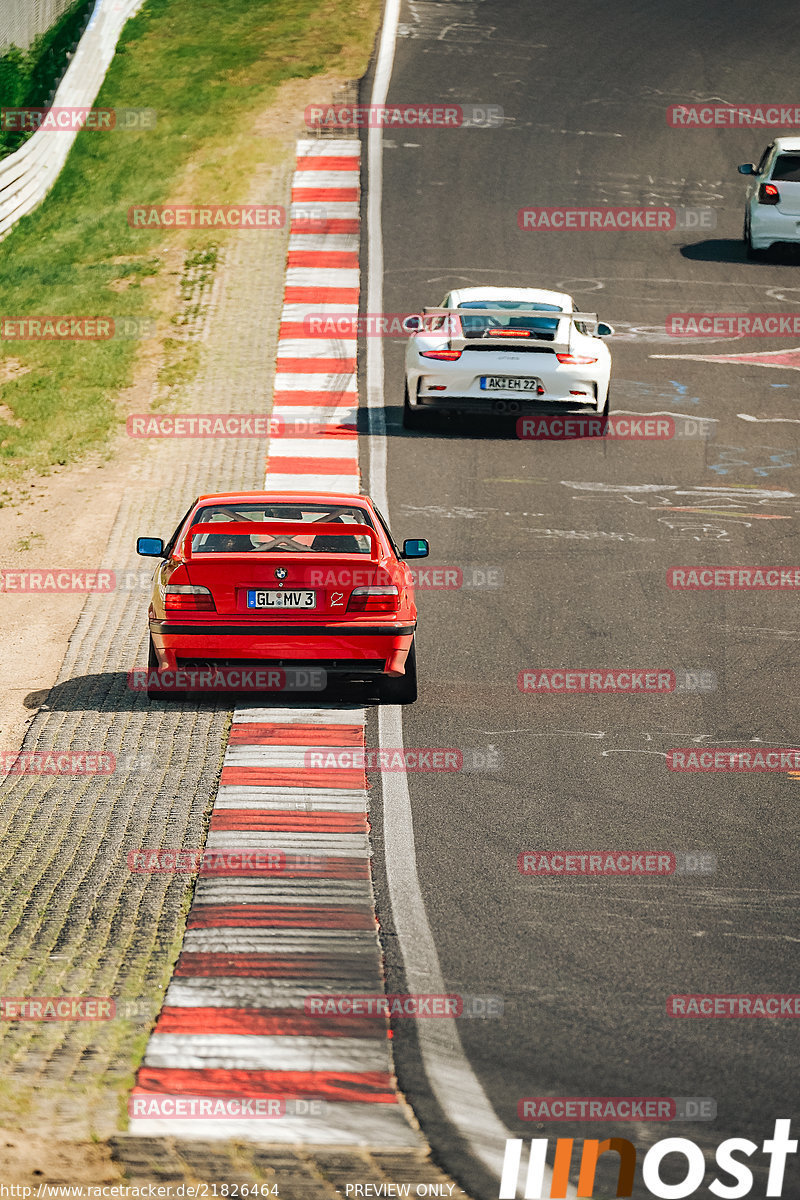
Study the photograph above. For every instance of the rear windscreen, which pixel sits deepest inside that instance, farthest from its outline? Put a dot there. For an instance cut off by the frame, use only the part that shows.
(787, 167)
(350, 542)
(520, 317)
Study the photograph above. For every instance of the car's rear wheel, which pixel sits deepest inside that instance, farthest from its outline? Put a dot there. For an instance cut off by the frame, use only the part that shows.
(750, 250)
(401, 689)
(154, 691)
(413, 418)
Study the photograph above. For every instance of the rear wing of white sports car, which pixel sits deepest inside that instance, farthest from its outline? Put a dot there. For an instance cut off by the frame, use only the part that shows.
(517, 327)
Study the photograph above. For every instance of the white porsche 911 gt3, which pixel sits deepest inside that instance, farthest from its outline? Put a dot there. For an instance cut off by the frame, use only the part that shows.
(505, 350)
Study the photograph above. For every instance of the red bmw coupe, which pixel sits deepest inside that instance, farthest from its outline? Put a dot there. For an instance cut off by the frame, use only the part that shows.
(284, 580)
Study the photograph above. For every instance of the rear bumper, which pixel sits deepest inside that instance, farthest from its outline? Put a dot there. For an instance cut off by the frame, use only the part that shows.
(768, 225)
(503, 406)
(563, 390)
(341, 650)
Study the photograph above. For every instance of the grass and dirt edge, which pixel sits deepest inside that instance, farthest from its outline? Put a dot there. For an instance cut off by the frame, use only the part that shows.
(209, 70)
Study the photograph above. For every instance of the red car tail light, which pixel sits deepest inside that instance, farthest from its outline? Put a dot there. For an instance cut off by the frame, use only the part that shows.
(444, 355)
(768, 194)
(374, 599)
(575, 360)
(515, 333)
(188, 598)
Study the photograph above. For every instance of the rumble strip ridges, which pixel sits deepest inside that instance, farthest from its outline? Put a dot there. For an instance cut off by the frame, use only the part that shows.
(259, 942)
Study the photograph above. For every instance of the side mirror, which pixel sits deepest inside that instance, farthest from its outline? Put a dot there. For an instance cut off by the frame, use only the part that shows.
(746, 169)
(415, 548)
(150, 547)
(412, 323)
(604, 330)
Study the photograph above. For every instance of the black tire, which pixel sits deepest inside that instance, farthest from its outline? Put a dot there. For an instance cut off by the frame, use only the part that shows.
(412, 417)
(155, 692)
(749, 249)
(401, 689)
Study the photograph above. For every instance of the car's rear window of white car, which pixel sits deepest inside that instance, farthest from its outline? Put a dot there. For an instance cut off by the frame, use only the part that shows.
(521, 314)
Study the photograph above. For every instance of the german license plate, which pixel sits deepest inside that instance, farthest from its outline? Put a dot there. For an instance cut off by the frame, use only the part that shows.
(508, 383)
(269, 598)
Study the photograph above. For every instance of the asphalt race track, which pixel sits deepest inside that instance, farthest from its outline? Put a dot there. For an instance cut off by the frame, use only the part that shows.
(580, 535)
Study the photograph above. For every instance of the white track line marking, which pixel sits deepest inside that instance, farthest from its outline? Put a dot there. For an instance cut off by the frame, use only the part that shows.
(228, 939)
(257, 755)
(310, 277)
(242, 1051)
(340, 447)
(339, 242)
(299, 716)
(269, 891)
(346, 484)
(221, 991)
(330, 845)
(302, 802)
(342, 1124)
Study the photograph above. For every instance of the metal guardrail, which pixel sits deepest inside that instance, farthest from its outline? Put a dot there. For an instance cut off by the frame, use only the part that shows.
(27, 175)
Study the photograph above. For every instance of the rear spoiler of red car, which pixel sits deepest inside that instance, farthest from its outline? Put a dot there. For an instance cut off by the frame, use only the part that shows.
(447, 322)
(291, 528)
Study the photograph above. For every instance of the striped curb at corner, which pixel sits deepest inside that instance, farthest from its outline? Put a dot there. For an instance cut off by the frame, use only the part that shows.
(258, 943)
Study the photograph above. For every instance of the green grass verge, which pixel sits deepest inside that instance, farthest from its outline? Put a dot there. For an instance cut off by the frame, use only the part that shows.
(208, 68)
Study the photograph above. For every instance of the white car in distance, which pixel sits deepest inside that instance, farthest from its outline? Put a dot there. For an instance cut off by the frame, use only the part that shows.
(505, 350)
(772, 209)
